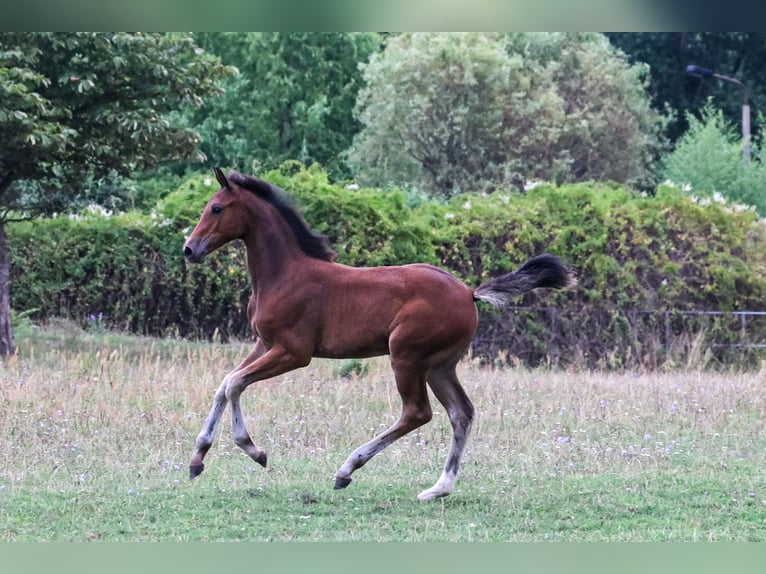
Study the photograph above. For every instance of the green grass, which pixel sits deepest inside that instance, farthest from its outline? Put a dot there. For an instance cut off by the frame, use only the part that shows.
(663, 508)
(97, 431)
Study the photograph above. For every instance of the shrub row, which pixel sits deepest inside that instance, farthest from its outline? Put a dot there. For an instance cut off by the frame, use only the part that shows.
(636, 257)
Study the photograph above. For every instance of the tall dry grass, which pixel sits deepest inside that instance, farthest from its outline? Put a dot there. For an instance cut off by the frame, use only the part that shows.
(128, 413)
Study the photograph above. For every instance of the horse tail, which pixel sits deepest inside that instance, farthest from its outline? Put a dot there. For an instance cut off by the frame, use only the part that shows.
(541, 272)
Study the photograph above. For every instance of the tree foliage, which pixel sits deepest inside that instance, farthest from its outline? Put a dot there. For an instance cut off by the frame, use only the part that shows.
(79, 107)
(75, 106)
(735, 54)
(461, 112)
(293, 98)
(708, 159)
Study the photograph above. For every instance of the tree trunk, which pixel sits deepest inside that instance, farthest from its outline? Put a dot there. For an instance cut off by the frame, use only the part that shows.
(6, 333)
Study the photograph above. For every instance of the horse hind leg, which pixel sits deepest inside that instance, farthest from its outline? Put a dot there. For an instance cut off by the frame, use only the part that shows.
(447, 389)
(416, 411)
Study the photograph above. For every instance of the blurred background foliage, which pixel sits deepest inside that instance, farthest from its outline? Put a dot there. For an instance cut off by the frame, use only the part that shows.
(470, 151)
(637, 257)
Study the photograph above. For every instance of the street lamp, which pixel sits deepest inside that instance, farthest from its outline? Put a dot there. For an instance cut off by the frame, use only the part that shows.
(708, 73)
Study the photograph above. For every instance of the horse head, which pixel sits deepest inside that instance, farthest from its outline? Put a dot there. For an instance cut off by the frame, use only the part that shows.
(224, 219)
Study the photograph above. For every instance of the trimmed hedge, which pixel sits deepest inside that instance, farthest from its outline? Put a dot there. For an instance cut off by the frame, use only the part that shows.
(636, 258)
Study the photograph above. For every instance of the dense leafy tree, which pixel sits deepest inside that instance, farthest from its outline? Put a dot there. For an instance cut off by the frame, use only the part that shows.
(293, 98)
(474, 112)
(707, 161)
(736, 54)
(78, 107)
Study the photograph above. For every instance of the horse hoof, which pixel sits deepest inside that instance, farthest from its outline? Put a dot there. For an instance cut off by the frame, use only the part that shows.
(432, 494)
(261, 459)
(195, 471)
(341, 483)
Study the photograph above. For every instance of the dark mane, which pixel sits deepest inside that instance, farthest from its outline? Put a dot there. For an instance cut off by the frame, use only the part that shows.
(312, 243)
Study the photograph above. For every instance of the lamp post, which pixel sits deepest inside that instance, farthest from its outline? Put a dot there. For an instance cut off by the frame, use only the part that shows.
(708, 73)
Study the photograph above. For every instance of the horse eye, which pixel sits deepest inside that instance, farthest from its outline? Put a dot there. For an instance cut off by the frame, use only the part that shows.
(216, 209)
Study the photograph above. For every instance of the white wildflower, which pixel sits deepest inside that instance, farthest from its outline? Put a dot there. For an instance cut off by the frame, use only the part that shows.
(98, 210)
(687, 187)
(467, 205)
(208, 181)
(449, 216)
(718, 198)
(352, 186)
(530, 184)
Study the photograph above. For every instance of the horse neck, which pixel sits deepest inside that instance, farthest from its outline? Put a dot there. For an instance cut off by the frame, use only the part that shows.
(271, 246)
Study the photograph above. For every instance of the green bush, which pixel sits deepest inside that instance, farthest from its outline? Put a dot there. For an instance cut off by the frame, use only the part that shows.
(640, 261)
(127, 270)
(708, 162)
(637, 257)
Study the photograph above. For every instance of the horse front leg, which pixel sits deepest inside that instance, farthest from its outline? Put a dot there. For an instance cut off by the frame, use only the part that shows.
(275, 361)
(205, 437)
(207, 433)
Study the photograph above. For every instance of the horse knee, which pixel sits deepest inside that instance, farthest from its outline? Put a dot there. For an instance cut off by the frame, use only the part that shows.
(221, 397)
(233, 389)
(470, 413)
(419, 416)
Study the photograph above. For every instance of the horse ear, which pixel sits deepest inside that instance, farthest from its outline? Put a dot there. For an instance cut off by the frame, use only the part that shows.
(221, 178)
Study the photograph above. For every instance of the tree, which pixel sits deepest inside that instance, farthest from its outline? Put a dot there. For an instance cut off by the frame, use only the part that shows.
(293, 99)
(707, 161)
(79, 107)
(735, 54)
(475, 112)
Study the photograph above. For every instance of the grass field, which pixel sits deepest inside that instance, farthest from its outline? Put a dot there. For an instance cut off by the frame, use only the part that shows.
(97, 431)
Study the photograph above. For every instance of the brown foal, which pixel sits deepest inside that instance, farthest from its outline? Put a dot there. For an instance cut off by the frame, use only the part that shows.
(305, 305)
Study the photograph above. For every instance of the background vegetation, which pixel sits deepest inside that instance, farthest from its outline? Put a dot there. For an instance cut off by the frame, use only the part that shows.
(637, 257)
(735, 54)
(595, 147)
(474, 152)
(477, 112)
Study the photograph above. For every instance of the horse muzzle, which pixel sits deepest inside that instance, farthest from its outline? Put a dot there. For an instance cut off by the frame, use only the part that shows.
(195, 250)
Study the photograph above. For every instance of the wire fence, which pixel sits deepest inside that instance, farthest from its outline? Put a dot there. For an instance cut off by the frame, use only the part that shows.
(597, 336)
(669, 314)
(742, 316)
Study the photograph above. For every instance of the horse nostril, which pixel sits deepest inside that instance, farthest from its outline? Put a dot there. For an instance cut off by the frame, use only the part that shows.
(195, 250)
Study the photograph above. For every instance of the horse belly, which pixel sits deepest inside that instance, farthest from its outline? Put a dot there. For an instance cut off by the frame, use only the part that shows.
(350, 336)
